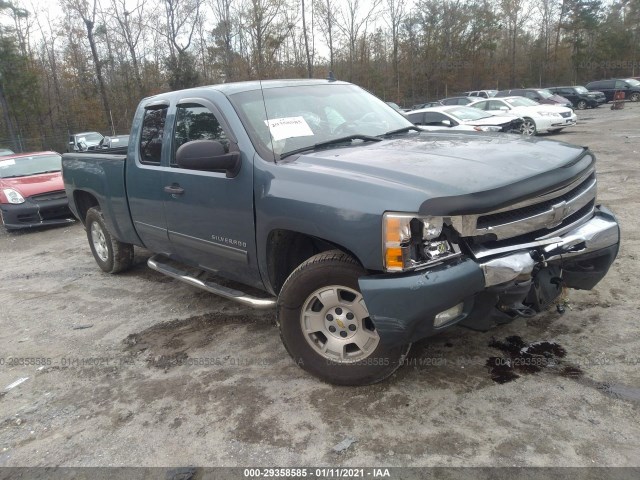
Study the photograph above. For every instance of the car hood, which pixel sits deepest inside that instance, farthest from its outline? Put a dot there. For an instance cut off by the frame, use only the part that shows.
(34, 184)
(456, 166)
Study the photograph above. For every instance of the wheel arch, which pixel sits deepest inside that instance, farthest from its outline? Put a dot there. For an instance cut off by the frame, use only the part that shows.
(287, 249)
(84, 201)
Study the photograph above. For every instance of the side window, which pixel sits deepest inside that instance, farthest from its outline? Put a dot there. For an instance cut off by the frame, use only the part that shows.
(494, 105)
(608, 84)
(620, 84)
(481, 105)
(195, 122)
(416, 118)
(151, 137)
(434, 118)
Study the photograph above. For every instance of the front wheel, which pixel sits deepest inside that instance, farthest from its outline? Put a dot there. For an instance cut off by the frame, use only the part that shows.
(325, 325)
(581, 105)
(634, 97)
(111, 255)
(528, 127)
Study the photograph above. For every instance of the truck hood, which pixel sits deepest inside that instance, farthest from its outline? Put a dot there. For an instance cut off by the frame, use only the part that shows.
(34, 184)
(456, 173)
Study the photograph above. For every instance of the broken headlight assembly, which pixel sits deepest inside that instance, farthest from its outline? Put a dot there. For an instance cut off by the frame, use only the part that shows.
(411, 241)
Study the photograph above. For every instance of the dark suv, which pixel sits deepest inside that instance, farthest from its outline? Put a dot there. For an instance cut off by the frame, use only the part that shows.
(540, 95)
(629, 86)
(580, 97)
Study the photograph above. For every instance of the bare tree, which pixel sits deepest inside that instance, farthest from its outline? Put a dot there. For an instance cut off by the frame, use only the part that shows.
(131, 23)
(325, 11)
(267, 28)
(397, 12)
(306, 42)
(224, 34)
(353, 21)
(87, 13)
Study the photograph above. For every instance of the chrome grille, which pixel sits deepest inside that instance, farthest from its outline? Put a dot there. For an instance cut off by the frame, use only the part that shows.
(538, 218)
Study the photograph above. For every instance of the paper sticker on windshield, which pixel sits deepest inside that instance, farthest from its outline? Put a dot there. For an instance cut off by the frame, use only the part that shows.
(288, 127)
(6, 163)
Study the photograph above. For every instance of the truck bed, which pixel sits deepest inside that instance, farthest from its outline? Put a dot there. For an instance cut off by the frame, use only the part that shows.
(101, 176)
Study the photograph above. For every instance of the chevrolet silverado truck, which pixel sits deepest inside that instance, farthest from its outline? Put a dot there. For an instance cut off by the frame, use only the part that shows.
(365, 234)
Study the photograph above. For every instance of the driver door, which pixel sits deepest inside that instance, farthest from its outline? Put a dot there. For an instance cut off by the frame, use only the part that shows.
(210, 219)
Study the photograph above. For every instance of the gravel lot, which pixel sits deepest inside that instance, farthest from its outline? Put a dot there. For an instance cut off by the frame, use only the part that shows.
(140, 370)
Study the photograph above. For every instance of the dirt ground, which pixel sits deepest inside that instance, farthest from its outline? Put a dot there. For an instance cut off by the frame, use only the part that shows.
(139, 370)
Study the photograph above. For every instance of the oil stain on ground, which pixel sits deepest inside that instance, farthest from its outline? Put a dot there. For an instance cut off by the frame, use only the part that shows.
(521, 358)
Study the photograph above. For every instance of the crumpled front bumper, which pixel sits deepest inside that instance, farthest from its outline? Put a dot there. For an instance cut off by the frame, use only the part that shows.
(404, 306)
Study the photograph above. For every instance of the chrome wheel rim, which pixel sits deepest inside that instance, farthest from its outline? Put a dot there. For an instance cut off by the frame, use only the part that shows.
(99, 242)
(528, 128)
(335, 323)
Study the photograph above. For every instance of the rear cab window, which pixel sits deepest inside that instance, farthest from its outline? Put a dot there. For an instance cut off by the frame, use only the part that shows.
(153, 124)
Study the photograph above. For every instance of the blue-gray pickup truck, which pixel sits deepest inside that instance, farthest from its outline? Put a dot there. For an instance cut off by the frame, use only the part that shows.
(317, 199)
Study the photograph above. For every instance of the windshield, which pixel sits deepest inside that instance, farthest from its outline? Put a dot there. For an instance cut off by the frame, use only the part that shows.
(295, 117)
(24, 166)
(545, 93)
(467, 113)
(632, 82)
(521, 102)
(581, 90)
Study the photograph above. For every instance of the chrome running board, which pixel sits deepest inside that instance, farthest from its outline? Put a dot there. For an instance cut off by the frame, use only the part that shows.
(158, 263)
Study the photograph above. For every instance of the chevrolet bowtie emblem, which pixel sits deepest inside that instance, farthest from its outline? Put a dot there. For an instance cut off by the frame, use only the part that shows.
(559, 213)
(339, 322)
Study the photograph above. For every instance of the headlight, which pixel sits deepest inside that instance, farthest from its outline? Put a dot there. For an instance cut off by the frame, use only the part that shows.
(489, 128)
(13, 196)
(410, 241)
(549, 114)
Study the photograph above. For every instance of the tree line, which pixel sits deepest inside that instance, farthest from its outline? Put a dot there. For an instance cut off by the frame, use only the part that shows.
(85, 64)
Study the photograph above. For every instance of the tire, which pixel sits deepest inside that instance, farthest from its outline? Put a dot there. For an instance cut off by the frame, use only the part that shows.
(581, 105)
(111, 255)
(634, 97)
(323, 293)
(528, 128)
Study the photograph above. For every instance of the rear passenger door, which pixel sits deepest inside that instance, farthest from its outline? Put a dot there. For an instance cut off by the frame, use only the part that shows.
(210, 219)
(144, 178)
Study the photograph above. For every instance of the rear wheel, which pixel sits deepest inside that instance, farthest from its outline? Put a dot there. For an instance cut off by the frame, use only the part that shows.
(634, 97)
(528, 127)
(111, 255)
(325, 325)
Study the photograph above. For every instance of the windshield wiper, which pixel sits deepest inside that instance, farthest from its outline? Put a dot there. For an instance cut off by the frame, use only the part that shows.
(401, 130)
(328, 143)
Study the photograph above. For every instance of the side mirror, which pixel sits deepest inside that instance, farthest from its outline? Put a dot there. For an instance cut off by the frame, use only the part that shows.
(208, 156)
(504, 109)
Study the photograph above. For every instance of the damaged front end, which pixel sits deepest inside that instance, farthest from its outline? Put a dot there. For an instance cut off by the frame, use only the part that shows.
(490, 268)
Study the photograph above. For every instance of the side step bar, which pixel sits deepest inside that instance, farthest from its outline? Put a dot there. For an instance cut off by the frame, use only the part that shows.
(156, 263)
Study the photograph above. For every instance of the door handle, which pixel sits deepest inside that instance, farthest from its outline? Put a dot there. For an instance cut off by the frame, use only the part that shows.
(174, 189)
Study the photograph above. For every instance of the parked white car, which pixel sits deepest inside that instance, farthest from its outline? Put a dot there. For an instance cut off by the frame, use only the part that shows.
(459, 117)
(537, 118)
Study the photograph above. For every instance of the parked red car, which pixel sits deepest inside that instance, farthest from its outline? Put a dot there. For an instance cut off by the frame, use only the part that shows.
(31, 191)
